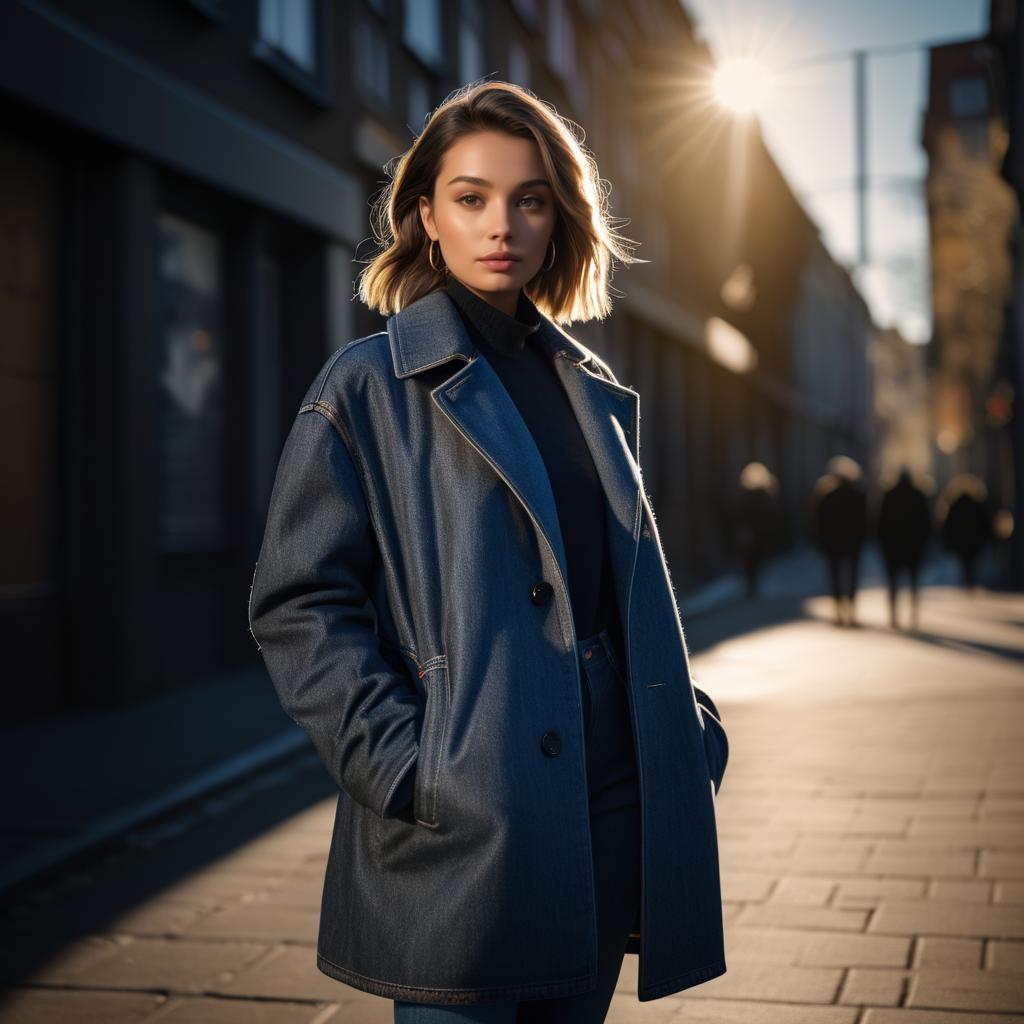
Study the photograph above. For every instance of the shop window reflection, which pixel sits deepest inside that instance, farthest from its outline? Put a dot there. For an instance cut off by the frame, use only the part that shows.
(192, 509)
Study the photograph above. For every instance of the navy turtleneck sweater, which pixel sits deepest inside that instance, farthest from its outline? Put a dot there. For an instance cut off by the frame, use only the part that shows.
(534, 387)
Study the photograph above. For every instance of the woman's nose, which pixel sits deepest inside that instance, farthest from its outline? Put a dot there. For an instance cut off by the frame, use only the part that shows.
(501, 225)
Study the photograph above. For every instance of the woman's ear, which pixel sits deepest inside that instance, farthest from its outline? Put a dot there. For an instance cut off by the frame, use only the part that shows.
(427, 216)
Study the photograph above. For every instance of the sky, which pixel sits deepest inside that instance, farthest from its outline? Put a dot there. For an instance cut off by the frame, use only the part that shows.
(809, 123)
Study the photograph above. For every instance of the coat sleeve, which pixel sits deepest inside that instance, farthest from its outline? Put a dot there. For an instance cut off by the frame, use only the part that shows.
(312, 619)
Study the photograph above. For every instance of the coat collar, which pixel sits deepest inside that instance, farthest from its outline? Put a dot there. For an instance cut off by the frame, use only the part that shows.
(430, 331)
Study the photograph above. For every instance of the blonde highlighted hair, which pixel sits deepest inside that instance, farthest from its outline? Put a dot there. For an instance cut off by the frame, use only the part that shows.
(577, 287)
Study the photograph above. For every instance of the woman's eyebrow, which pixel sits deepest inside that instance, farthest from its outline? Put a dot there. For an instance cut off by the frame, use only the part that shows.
(484, 183)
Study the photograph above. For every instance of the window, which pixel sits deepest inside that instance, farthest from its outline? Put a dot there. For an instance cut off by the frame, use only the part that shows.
(471, 41)
(192, 508)
(527, 10)
(293, 43)
(213, 9)
(290, 27)
(561, 40)
(370, 60)
(518, 64)
(419, 103)
(421, 31)
(579, 91)
(968, 97)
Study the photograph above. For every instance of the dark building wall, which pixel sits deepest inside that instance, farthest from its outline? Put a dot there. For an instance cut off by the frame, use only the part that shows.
(31, 391)
(215, 57)
(102, 600)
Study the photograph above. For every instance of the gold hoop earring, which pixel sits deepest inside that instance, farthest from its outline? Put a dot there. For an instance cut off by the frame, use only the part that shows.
(430, 256)
(552, 261)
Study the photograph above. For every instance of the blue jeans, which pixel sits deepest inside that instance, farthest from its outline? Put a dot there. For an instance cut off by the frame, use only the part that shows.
(615, 840)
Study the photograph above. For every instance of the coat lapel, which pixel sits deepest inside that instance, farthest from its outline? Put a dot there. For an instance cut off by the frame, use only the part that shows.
(609, 416)
(476, 402)
(430, 332)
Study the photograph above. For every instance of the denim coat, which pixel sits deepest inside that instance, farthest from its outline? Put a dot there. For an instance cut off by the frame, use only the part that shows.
(410, 603)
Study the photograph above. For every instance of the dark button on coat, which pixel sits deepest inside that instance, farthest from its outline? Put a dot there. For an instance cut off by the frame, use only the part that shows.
(410, 521)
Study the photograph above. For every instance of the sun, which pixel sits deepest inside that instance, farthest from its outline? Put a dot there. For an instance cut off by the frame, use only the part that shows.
(742, 85)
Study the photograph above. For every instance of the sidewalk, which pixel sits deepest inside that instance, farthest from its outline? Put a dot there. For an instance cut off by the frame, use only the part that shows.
(802, 572)
(86, 778)
(871, 819)
(871, 828)
(93, 777)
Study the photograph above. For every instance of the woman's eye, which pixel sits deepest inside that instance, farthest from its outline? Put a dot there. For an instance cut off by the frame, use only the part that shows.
(536, 201)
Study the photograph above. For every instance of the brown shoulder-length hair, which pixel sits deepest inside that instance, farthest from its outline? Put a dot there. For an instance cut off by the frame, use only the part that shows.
(586, 244)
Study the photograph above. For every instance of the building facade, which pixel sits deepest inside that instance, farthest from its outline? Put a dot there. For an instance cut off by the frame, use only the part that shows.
(185, 208)
(1007, 38)
(971, 216)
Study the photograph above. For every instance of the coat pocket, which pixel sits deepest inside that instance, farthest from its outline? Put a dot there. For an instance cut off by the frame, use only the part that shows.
(429, 764)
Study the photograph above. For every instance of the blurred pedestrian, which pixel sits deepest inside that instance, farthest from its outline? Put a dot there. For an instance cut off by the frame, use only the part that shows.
(839, 528)
(966, 521)
(903, 525)
(758, 520)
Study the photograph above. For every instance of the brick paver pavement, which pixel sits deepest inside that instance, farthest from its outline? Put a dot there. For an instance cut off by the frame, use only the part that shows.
(872, 841)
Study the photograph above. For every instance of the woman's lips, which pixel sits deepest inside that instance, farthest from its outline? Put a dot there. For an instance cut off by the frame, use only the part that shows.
(499, 264)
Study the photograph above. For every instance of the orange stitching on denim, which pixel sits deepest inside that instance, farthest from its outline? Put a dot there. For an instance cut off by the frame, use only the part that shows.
(438, 661)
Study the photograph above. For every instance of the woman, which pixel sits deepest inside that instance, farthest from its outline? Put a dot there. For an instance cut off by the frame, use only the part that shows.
(461, 595)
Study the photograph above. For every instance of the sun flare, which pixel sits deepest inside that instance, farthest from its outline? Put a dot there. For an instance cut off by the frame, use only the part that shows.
(742, 85)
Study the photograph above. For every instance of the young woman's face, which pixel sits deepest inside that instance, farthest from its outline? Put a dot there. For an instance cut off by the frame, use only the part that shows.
(491, 196)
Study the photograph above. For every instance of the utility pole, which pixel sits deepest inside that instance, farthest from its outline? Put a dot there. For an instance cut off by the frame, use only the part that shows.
(860, 103)
(861, 146)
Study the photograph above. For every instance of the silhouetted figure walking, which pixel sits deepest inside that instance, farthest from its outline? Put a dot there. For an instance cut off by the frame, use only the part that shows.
(966, 521)
(839, 528)
(758, 520)
(903, 527)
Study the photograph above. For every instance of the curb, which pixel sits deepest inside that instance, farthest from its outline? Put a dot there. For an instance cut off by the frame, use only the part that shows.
(49, 856)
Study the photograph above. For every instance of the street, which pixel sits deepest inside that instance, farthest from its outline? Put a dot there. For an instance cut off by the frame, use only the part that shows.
(871, 827)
